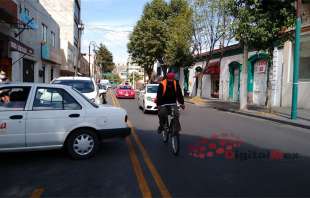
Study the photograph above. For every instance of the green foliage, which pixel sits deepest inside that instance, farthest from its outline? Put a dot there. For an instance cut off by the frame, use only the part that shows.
(162, 34)
(112, 77)
(104, 59)
(178, 48)
(136, 75)
(262, 23)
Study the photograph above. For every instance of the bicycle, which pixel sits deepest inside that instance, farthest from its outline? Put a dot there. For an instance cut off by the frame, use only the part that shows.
(171, 129)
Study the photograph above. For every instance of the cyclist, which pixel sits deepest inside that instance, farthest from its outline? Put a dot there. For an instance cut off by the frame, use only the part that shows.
(169, 93)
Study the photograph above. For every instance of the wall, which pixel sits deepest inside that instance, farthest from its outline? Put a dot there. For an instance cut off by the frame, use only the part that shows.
(33, 38)
(60, 10)
(303, 87)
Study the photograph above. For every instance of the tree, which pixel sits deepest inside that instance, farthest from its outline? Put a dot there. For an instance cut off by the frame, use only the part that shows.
(104, 59)
(134, 77)
(157, 35)
(178, 48)
(212, 29)
(260, 24)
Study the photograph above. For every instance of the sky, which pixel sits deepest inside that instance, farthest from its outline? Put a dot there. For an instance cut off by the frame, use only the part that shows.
(110, 22)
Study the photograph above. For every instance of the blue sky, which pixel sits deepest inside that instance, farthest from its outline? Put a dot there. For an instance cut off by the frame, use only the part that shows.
(110, 22)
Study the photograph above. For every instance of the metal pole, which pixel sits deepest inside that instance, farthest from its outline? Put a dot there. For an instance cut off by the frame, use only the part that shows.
(296, 62)
(89, 60)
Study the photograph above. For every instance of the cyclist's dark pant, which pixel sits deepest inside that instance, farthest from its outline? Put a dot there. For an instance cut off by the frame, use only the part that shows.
(163, 112)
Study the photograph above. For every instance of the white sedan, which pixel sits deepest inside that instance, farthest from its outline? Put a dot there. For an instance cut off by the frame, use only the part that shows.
(51, 116)
(147, 97)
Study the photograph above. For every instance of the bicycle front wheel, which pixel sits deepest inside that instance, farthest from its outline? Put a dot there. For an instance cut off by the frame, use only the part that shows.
(175, 143)
(165, 136)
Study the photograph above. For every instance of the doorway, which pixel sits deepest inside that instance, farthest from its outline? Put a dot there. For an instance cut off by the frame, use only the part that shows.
(28, 70)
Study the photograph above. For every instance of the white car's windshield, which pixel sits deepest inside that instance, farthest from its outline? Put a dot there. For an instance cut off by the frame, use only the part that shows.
(84, 86)
(87, 99)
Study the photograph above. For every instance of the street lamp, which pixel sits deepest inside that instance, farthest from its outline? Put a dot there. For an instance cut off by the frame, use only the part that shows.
(91, 43)
(294, 105)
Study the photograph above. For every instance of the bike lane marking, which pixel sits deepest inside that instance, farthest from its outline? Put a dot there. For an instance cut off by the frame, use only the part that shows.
(37, 193)
(156, 176)
(144, 187)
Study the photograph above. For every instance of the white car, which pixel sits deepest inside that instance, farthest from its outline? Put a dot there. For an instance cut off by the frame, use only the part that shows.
(51, 116)
(147, 97)
(85, 85)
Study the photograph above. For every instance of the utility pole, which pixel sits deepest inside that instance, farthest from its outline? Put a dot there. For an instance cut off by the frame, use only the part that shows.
(296, 61)
(89, 60)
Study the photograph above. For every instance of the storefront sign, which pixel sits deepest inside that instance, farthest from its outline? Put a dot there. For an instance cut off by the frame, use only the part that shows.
(18, 46)
(26, 19)
(260, 66)
(51, 54)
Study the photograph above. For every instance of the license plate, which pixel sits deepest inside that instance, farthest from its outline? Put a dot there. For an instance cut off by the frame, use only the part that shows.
(126, 94)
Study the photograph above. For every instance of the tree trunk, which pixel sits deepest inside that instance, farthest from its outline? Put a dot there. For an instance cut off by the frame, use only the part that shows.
(244, 79)
(269, 78)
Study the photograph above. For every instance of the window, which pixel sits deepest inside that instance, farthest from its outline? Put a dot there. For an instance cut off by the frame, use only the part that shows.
(84, 86)
(44, 31)
(53, 41)
(13, 98)
(125, 87)
(304, 68)
(152, 89)
(54, 99)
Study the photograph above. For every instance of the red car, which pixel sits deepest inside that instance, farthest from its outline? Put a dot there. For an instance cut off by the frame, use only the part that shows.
(125, 91)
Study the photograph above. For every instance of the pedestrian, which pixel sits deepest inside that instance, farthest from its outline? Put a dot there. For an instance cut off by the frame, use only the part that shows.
(3, 78)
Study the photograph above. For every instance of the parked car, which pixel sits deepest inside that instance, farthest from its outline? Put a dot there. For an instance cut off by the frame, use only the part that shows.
(147, 97)
(125, 91)
(85, 85)
(53, 116)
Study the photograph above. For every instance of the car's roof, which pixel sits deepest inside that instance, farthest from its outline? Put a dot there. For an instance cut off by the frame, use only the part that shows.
(73, 78)
(33, 84)
(151, 84)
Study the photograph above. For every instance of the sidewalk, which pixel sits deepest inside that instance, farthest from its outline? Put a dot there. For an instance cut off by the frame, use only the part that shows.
(279, 114)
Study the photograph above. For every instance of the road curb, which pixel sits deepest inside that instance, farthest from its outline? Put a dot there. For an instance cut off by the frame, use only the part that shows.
(265, 118)
(256, 116)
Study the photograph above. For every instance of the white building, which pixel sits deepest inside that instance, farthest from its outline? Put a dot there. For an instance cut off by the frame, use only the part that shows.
(304, 67)
(67, 14)
(30, 50)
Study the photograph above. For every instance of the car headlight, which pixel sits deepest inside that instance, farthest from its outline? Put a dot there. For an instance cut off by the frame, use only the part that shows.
(149, 99)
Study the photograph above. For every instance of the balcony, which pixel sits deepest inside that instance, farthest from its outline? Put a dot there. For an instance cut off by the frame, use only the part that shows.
(50, 54)
(8, 11)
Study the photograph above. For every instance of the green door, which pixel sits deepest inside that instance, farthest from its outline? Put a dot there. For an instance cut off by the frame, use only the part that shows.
(231, 82)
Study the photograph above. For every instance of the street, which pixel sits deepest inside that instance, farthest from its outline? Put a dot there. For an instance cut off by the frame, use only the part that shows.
(264, 159)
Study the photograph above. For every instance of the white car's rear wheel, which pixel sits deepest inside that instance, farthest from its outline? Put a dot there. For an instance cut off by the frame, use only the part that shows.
(82, 144)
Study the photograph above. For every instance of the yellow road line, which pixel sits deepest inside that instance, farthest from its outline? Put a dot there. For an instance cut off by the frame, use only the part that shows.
(144, 188)
(156, 176)
(37, 193)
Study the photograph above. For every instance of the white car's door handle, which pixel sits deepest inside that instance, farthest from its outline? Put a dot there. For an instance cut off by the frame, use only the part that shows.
(16, 117)
(74, 115)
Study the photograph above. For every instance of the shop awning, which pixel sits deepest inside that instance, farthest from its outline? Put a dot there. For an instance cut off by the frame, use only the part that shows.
(213, 68)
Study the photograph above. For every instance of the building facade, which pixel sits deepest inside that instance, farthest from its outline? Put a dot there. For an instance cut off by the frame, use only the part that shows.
(68, 15)
(304, 67)
(36, 28)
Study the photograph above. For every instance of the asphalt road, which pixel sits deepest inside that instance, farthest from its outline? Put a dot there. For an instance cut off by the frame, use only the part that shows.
(222, 154)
